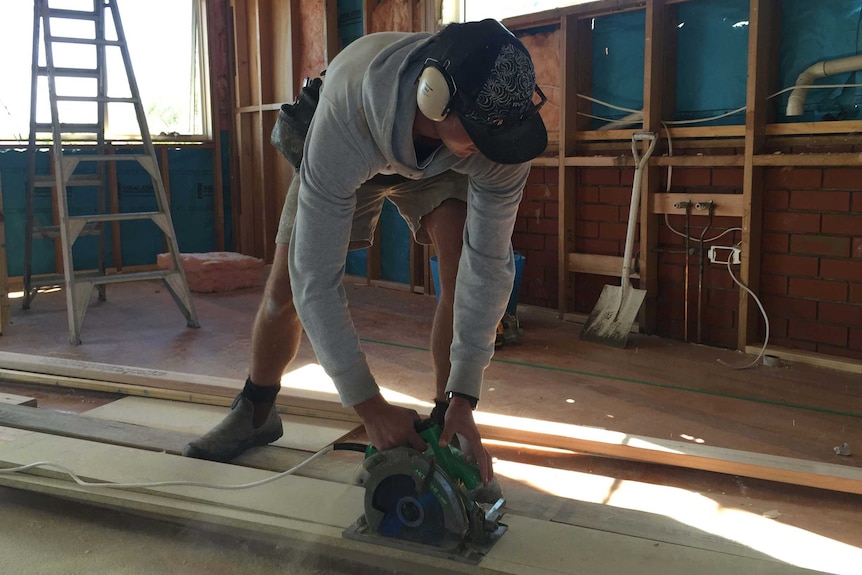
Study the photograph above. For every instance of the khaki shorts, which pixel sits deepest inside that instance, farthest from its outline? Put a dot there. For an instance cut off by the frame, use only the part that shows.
(413, 198)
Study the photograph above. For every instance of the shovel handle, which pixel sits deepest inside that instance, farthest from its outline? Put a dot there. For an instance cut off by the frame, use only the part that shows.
(640, 161)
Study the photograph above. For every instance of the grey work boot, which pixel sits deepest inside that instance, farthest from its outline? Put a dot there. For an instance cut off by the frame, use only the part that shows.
(235, 433)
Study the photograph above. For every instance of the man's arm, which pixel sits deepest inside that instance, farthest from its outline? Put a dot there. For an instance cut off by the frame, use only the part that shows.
(334, 165)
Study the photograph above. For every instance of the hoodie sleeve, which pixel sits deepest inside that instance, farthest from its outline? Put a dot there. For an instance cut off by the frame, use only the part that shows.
(485, 272)
(333, 167)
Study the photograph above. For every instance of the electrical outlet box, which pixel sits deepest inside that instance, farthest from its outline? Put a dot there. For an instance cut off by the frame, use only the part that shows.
(723, 254)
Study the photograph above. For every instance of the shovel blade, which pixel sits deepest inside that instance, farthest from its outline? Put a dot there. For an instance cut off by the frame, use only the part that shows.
(613, 316)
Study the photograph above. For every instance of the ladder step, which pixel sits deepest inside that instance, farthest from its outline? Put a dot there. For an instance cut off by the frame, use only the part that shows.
(53, 232)
(68, 128)
(96, 99)
(88, 41)
(72, 14)
(79, 180)
(116, 217)
(69, 72)
(54, 280)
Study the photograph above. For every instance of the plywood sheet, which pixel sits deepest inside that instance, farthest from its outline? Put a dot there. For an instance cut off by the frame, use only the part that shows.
(324, 508)
(304, 433)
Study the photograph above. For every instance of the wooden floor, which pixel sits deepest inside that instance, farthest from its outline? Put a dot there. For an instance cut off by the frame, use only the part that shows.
(655, 388)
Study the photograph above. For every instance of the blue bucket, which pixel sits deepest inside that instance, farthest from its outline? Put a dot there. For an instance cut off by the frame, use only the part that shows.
(512, 308)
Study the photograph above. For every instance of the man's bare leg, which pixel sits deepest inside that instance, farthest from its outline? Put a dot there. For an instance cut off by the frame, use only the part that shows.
(445, 225)
(276, 331)
(275, 339)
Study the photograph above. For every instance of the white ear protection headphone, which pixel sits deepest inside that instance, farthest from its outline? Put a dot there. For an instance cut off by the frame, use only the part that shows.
(436, 90)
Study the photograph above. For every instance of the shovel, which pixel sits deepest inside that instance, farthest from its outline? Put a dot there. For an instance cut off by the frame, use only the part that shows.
(615, 312)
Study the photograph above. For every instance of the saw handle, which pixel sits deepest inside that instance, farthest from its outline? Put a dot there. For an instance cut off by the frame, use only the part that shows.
(450, 459)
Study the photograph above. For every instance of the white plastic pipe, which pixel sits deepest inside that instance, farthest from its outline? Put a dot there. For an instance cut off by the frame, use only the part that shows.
(822, 69)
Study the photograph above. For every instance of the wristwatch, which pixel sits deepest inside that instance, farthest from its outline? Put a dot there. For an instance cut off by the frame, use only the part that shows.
(473, 400)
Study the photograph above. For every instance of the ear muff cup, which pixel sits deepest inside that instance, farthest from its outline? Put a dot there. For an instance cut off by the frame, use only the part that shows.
(434, 92)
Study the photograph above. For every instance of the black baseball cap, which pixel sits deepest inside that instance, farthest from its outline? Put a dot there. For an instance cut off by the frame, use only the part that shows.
(494, 85)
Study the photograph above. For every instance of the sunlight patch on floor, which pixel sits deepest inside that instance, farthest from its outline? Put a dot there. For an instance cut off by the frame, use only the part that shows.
(786, 543)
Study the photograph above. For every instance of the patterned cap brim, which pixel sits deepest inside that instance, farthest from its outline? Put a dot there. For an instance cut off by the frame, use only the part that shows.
(511, 142)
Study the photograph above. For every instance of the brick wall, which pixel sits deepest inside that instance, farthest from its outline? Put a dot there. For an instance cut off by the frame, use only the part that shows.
(812, 259)
(811, 280)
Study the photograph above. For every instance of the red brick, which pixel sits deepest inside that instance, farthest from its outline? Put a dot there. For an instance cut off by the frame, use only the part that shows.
(536, 176)
(598, 213)
(718, 317)
(819, 201)
(671, 275)
(775, 243)
(856, 248)
(818, 289)
(552, 176)
(691, 177)
(855, 293)
(521, 225)
(856, 339)
(843, 178)
(818, 332)
(789, 265)
(551, 210)
(857, 202)
(840, 313)
(600, 176)
(615, 195)
(716, 276)
(609, 231)
(841, 270)
(722, 298)
(799, 223)
(538, 192)
(720, 336)
(777, 328)
(820, 245)
(530, 210)
(849, 224)
(789, 307)
(627, 177)
(522, 242)
(588, 229)
(545, 226)
(776, 200)
(793, 178)
(773, 285)
(587, 194)
(602, 247)
(727, 178)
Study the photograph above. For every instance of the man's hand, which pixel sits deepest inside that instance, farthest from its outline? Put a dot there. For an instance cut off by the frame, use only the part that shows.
(459, 419)
(388, 425)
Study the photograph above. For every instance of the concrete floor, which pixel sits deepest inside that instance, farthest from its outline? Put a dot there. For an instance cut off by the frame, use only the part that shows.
(656, 388)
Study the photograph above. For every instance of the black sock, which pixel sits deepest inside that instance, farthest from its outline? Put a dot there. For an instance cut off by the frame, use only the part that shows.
(262, 398)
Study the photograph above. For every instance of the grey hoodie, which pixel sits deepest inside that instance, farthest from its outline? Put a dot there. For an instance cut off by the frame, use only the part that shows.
(364, 126)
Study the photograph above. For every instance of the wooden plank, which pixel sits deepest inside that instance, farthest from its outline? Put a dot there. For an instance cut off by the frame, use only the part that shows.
(805, 128)
(623, 160)
(848, 159)
(313, 513)
(597, 264)
(725, 204)
(303, 433)
(12, 399)
(332, 43)
(809, 358)
(675, 133)
(521, 430)
(667, 452)
(762, 52)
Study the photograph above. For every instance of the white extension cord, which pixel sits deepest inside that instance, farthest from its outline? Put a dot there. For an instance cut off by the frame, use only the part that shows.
(89, 484)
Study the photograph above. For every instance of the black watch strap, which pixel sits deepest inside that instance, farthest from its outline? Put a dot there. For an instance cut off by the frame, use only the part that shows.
(473, 400)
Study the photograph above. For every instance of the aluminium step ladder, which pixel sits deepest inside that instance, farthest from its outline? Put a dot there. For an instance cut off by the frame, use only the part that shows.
(79, 284)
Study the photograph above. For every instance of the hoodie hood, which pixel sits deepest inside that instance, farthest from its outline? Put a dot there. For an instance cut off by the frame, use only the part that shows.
(389, 98)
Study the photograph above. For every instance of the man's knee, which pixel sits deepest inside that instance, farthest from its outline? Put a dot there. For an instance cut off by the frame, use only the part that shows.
(278, 296)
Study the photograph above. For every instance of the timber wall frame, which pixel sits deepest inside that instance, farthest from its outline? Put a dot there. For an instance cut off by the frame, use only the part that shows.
(581, 148)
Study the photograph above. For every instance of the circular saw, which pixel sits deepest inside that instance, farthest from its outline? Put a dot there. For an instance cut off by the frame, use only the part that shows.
(429, 502)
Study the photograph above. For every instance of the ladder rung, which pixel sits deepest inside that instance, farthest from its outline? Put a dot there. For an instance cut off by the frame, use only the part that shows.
(54, 280)
(69, 128)
(88, 41)
(53, 232)
(72, 14)
(116, 217)
(107, 157)
(96, 99)
(79, 180)
(70, 72)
